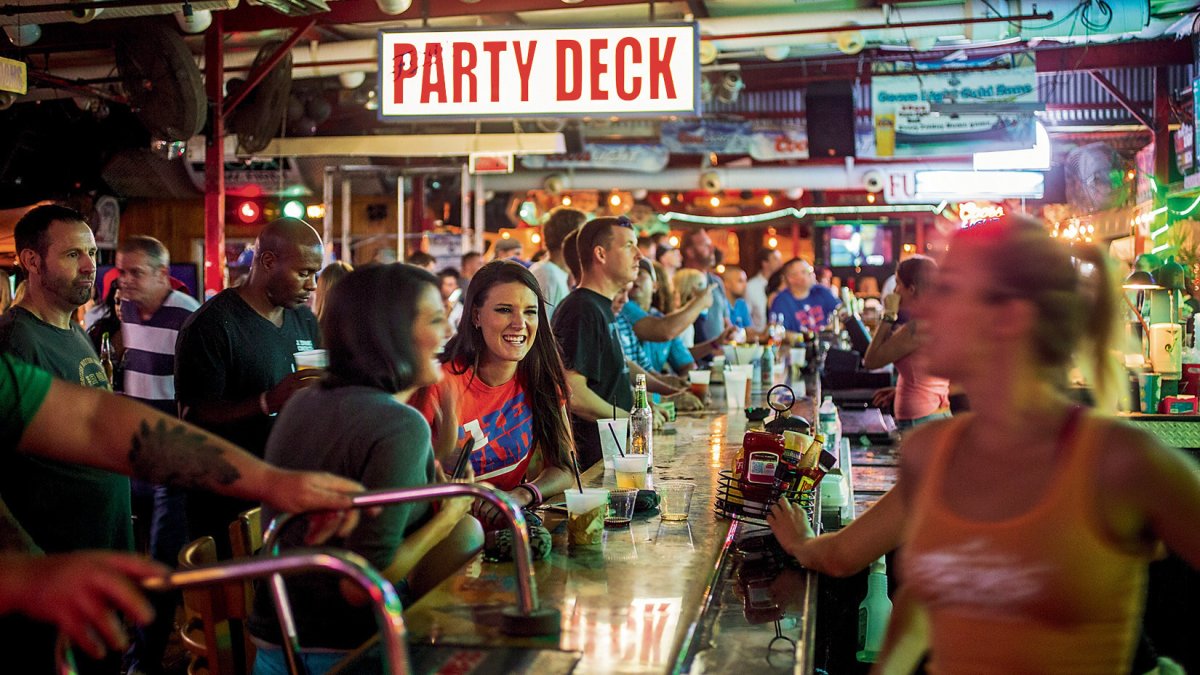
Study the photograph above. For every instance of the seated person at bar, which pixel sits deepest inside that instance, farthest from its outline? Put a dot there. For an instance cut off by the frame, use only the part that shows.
(1025, 528)
(586, 332)
(670, 356)
(661, 387)
(502, 384)
(383, 328)
(920, 397)
(804, 304)
(80, 592)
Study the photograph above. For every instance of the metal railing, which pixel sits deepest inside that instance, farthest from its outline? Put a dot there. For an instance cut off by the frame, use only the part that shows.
(529, 619)
(384, 601)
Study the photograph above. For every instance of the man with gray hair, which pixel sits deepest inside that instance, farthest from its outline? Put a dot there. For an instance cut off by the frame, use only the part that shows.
(152, 313)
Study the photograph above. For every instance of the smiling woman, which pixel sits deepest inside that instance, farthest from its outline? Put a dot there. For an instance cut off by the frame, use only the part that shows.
(503, 385)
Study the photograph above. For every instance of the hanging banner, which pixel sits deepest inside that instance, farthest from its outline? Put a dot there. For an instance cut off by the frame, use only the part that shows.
(905, 124)
(564, 72)
(772, 141)
(614, 156)
(698, 137)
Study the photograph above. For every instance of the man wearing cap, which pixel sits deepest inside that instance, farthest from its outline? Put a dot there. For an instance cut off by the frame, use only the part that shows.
(509, 249)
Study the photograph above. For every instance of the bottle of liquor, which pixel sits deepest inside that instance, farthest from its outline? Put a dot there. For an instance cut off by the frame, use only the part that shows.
(106, 358)
(641, 422)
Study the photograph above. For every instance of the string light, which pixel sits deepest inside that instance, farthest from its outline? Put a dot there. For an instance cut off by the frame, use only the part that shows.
(535, 238)
(768, 201)
(665, 200)
(615, 199)
(566, 201)
(715, 201)
(772, 243)
(801, 213)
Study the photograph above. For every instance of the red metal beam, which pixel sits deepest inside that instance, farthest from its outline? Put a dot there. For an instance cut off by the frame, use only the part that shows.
(1134, 54)
(1047, 16)
(247, 18)
(214, 159)
(257, 75)
(1122, 99)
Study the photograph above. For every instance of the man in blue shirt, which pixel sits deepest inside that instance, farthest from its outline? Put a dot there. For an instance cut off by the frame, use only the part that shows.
(804, 304)
(739, 311)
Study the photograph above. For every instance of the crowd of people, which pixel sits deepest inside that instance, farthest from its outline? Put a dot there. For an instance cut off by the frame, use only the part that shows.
(513, 361)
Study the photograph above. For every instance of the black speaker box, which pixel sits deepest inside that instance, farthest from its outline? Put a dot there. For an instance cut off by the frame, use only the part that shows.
(829, 109)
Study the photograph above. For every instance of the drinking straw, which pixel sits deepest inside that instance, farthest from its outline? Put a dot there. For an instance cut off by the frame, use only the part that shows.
(575, 468)
(614, 436)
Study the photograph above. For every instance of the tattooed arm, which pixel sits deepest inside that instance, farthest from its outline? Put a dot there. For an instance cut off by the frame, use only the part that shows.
(87, 426)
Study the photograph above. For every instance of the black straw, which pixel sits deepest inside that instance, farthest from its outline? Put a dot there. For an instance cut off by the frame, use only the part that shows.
(614, 435)
(575, 468)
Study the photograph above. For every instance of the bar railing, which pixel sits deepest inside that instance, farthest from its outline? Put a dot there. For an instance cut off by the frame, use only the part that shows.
(384, 601)
(526, 619)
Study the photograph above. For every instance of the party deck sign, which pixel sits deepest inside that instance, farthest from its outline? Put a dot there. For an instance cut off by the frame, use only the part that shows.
(561, 72)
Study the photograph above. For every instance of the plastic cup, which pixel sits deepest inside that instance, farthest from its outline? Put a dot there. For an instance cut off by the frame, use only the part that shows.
(314, 358)
(612, 432)
(675, 498)
(585, 516)
(1151, 384)
(698, 381)
(620, 507)
(736, 383)
(631, 471)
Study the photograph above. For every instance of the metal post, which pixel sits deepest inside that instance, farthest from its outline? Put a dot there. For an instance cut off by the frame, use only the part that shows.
(347, 249)
(464, 207)
(480, 223)
(400, 218)
(214, 159)
(327, 196)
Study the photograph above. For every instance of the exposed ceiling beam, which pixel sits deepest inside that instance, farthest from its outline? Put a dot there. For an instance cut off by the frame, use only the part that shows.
(1121, 98)
(698, 8)
(254, 18)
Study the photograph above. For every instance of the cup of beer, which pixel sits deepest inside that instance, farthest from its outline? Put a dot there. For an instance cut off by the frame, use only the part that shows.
(585, 516)
(631, 471)
(698, 381)
(313, 358)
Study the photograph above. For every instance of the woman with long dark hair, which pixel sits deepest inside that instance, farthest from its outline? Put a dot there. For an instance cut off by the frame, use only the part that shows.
(503, 385)
(382, 327)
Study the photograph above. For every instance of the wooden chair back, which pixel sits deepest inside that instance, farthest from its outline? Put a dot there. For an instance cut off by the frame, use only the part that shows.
(214, 629)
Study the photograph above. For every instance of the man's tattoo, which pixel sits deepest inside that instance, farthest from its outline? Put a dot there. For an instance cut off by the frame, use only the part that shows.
(177, 456)
(13, 537)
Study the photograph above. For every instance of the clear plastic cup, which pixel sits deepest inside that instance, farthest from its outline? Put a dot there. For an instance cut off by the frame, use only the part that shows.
(736, 383)
(698, 381)
(613, 432)
(631, 471)
(675, 498)
(585, 515)
(620, 507)
(314, 358)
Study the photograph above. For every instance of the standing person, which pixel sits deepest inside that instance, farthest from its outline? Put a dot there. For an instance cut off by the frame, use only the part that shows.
(648, 247)
(423, 260)
(502, 377)
(151, 315)
(1041, 569)
(469, 264)
(735, 292)
(920, 396)
(700, 254)
(553, 274)
(384, 328)
(585, 327)
(508, 249)
(804, 304)
(234, 366)
(668, 255)
(326, 280)
(769, 261)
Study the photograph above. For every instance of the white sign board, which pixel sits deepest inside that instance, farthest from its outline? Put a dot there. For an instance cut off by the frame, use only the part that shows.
(546, 71)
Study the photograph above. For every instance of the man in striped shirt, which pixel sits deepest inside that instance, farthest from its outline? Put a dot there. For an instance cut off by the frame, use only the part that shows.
(151, 316)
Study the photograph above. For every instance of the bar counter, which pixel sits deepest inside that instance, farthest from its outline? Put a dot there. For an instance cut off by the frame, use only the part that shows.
(652, 597)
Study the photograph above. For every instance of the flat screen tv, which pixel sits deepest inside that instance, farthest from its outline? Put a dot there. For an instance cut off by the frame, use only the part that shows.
(860, 245)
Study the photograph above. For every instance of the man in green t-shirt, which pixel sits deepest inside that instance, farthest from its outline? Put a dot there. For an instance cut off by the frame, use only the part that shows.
(81, 593)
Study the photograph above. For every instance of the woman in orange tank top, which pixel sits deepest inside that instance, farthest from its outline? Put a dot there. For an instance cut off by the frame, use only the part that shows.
(1025, 528)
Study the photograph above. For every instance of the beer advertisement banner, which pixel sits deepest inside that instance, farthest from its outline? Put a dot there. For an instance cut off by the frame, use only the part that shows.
(563, 72)
(907, 122)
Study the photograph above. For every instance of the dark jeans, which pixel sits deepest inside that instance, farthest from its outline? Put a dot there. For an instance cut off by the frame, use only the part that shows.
(168, 535)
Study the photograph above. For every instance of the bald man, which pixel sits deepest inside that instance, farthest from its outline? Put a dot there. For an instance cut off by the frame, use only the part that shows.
(234, 366)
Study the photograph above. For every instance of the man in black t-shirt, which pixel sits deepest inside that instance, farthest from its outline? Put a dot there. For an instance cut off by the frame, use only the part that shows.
(234, 366)
(585, 328)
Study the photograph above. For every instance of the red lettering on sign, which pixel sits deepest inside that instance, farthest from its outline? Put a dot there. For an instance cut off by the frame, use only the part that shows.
(660, 68)
(433, 60)
(575, 62)
(464, 67)
(524, 65)
(598, 68)
(402, 71)
(635, 56)
(494, 48)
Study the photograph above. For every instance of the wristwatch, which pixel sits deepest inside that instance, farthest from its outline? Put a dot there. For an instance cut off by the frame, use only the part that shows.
(890, 318)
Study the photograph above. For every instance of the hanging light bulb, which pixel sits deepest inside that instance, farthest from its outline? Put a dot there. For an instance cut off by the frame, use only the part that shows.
(715, 201)
(768, 201)
(566, 200)
(665, 200)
